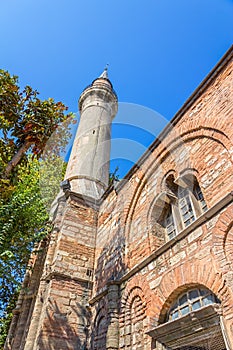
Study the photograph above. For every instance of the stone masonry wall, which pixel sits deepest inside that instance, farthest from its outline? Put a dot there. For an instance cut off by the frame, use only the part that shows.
(199, 142)
(60, 318)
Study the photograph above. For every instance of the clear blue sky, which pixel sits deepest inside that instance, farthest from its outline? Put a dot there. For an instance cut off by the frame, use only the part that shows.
(158, 50)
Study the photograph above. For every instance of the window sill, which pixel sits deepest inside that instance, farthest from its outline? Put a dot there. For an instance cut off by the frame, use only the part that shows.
(189, 329)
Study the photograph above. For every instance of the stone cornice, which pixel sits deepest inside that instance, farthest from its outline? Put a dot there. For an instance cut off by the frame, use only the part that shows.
(57, 275)
(83, 200)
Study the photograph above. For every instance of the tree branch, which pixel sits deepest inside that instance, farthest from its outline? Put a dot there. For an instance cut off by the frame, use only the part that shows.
(16, 159)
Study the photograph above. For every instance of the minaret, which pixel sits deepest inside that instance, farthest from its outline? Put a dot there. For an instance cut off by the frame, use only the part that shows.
(52, 311)
(88, 167)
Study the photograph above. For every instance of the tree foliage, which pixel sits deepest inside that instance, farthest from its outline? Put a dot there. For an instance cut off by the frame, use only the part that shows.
(27, 124)
(23, 221)
(27, 184)
(5, 319)
(114, 176)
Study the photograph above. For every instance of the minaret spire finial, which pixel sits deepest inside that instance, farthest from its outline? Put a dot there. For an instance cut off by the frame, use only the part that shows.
(105, 72)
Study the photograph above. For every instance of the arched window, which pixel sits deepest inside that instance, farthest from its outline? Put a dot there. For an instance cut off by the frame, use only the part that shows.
(178, 206)
(199, 196)
(186, 206)
(194, 321)
(190, 301)
(191, 200)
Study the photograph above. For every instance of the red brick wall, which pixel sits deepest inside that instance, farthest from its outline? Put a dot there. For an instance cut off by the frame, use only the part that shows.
(201, 140)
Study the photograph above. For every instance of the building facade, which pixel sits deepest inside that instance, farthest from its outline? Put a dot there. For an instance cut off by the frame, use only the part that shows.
(146, 263)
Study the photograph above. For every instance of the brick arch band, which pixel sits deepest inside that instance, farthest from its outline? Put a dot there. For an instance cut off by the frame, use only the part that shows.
(167, 150)
(180, 278)
(187, 275)
(223, 240)
(191, 274)
(101, 313)
(139, 287)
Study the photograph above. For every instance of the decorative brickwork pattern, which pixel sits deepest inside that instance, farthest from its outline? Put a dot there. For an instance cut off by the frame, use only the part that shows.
(133, 321)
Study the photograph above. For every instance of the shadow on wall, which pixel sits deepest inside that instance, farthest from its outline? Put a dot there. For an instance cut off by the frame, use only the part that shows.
(111, 259)
(99, 334)
(65, 329)
(110, 267)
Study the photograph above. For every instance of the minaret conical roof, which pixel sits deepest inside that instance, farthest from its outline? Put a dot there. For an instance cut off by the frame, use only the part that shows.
(105, 73)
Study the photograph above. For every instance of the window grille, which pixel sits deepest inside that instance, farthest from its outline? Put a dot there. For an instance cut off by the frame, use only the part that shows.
(200, 197)
(186, 208)
(190, 301)
(177, 207)
(169, 224)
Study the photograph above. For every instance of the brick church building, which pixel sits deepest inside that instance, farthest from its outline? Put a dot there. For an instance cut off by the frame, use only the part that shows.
(146, 263)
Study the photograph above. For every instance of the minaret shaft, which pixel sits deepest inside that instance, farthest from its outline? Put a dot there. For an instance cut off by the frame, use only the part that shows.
(88, 167)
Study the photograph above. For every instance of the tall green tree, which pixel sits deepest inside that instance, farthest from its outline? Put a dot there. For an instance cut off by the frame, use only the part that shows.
(26, 123)
(29, 161)
(23, 221)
